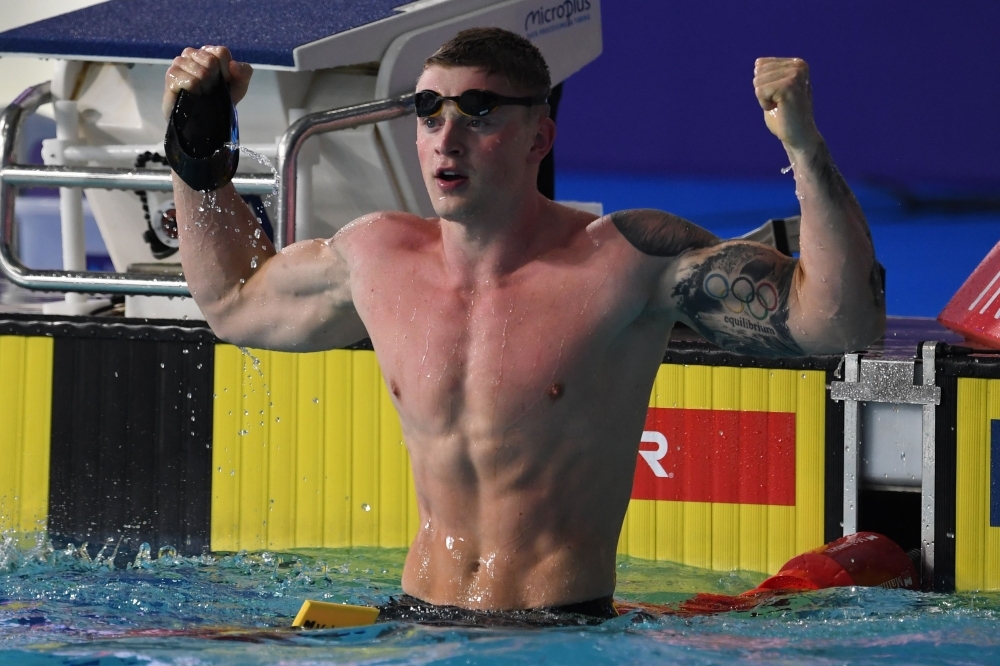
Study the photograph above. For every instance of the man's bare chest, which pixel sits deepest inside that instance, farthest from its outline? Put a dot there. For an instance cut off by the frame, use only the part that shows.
(496, 350)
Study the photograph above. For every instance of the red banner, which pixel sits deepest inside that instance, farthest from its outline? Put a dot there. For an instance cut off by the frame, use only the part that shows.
(705, 455)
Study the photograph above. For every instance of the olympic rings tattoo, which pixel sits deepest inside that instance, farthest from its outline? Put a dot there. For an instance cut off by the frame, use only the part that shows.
(742, 294)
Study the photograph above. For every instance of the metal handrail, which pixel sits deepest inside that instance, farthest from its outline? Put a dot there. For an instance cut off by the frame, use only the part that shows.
(14, 176)
(319, 123)
(110, 178)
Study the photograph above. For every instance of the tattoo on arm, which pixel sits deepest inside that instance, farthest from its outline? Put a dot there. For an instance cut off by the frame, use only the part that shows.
(660, 234)
(737, 297)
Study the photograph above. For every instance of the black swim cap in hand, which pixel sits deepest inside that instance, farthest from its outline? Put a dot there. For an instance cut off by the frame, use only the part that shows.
(202, 136)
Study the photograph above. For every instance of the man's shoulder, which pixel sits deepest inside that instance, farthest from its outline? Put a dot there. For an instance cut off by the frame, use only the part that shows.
(658, 233)
(388, 229)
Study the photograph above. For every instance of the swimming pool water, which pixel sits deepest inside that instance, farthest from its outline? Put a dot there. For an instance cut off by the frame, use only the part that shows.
(64, 607)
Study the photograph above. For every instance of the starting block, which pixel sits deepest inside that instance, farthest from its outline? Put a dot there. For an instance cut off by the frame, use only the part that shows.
(974, 310)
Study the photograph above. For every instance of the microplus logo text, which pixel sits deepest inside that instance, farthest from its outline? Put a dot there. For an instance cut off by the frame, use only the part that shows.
(562, 15)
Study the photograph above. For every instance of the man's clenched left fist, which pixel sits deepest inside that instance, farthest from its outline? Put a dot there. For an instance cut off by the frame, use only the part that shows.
(782, 88)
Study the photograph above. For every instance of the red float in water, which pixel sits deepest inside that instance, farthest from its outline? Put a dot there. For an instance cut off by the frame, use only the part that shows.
(865, 559)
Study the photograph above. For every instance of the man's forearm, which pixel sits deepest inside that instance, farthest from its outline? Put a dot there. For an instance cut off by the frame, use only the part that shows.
(221, 244)
(838, 282)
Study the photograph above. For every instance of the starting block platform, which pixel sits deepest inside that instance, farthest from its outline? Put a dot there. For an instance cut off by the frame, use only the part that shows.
(290, 34)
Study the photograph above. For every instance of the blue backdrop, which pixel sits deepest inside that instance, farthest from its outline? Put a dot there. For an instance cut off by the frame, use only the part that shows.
(907, 95)
(904, 89)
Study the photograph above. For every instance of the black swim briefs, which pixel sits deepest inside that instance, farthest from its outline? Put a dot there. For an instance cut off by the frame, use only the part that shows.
(410, 609)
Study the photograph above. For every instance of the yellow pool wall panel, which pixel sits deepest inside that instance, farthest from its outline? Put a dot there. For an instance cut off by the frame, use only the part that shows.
(25, 433)
(738, 536)
(977, 543)
(307, 452)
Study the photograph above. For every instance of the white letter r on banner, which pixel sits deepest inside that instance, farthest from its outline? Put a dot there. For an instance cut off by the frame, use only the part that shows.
(653, 458)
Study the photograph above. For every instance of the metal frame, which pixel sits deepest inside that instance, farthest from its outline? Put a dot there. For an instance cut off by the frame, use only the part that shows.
(14, 176)
(320, 123)
(890, 381)
(928, 354)
(852, 445)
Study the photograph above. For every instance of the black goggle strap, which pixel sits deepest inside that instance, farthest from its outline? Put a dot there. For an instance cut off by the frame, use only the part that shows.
(476, 103)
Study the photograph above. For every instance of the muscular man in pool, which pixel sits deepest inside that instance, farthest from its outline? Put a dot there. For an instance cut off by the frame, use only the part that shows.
(519, 338)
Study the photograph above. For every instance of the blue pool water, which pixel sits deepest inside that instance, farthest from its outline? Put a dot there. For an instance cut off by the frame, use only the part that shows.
(59, 607)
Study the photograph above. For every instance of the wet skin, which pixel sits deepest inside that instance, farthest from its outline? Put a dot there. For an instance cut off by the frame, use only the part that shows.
(518, 338)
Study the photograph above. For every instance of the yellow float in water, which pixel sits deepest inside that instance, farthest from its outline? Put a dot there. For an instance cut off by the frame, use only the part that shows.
(324, 615)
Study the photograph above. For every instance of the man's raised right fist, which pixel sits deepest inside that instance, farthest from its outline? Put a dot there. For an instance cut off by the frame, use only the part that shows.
(197, 70)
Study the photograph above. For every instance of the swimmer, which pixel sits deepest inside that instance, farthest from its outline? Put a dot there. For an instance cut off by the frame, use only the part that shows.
(518, 338)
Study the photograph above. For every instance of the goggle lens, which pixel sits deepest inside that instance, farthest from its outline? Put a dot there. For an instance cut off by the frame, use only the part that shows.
(427, 103)
(477, 102)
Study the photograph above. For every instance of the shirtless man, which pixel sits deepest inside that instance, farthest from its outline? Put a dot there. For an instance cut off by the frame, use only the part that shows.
(519, 338)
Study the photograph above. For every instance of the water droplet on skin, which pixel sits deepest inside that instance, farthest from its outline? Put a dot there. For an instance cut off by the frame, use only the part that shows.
(786, 169)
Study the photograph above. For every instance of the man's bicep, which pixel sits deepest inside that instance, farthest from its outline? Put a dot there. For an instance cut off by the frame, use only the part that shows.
(738, 295)
(300, 299)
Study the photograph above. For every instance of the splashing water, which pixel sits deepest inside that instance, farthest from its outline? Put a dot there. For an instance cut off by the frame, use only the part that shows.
(60, 606)
(254, 361)
(263, 161)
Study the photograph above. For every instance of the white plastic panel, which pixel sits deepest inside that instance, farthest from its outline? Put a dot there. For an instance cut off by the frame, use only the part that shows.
(891, 444)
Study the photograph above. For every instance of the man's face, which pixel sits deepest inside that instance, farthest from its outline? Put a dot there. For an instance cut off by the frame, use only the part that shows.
(472, 165)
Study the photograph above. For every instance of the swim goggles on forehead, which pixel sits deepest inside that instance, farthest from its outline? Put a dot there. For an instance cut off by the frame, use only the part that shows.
(472, 102)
